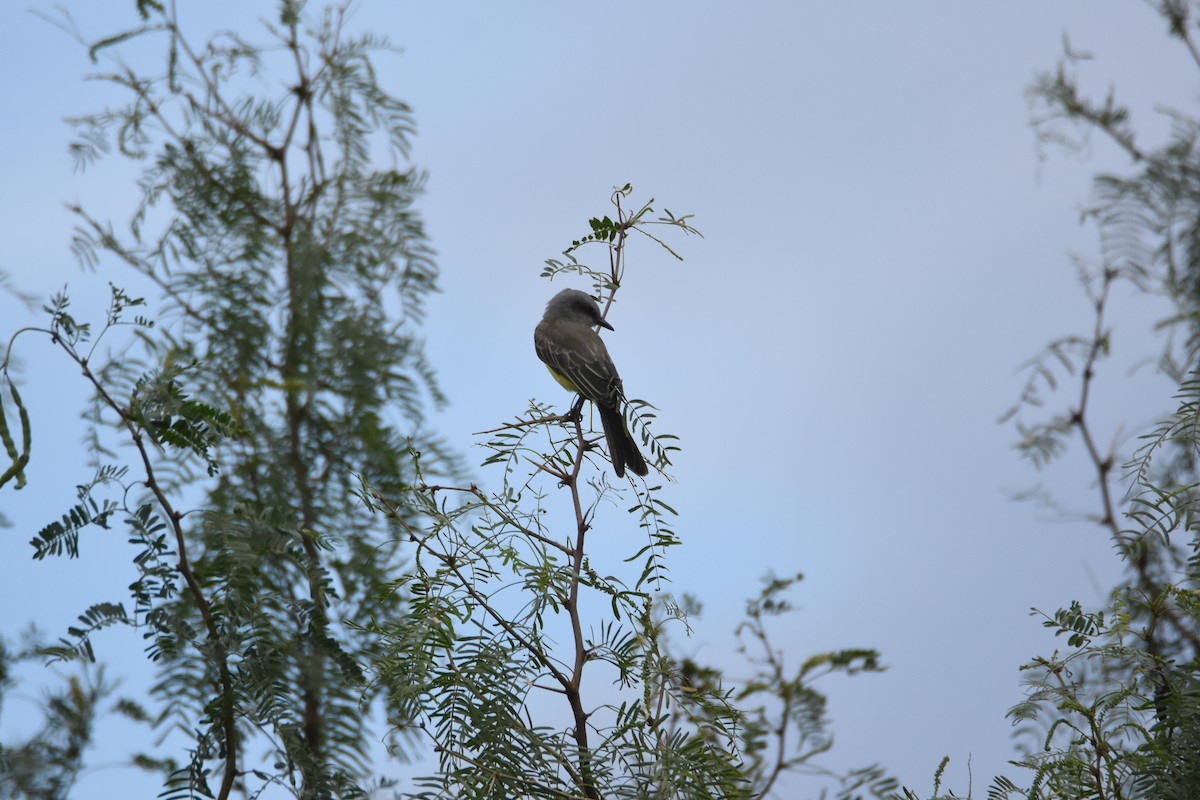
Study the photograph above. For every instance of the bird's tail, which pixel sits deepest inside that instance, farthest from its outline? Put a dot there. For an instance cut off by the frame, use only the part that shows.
(621, 447)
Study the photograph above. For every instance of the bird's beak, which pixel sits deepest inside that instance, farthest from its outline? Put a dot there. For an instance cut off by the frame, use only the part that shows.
(604, 324)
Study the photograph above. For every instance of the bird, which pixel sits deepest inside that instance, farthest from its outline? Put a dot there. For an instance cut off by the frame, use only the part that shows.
(577, 358)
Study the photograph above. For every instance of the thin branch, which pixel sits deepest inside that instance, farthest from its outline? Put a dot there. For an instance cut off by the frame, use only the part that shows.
(1103, 463)
(525, 423)
(220, 657)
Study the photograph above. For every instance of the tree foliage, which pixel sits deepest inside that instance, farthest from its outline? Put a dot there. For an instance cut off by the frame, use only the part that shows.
(283, 361)
(307, 560)
(1114, 712)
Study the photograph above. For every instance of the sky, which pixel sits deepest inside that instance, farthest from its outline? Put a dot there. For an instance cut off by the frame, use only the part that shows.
(884, 247)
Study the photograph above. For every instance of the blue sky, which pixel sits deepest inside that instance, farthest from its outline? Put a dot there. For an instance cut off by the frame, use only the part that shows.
(883, 249)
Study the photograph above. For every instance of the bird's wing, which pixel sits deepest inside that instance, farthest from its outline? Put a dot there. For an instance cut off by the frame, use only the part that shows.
(578, 353)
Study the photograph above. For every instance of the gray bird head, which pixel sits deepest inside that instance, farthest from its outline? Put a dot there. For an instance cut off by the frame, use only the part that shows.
(575, 306)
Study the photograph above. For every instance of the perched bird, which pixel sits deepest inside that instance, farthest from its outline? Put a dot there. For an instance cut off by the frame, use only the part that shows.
(577, 358)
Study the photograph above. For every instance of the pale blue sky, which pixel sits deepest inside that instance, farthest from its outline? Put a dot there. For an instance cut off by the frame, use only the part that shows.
(882, 250)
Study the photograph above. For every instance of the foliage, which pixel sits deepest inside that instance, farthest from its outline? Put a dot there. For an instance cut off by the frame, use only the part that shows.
(46, 764)
(787, 706)
(305, 557)
(1114, 712)
(228, 423)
